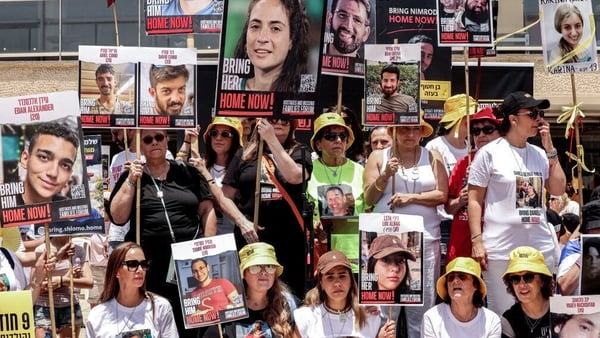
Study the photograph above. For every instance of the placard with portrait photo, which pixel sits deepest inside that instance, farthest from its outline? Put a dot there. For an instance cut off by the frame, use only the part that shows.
(574, 316)
(209, 281)
(391, 259)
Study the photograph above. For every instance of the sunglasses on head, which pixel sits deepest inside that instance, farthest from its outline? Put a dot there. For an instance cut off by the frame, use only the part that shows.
(487, 130)
(223, 133)
(452, 276)
(333, 136)
(283, 122)
(149, 138)
(516, 279)
(269, 268)
(132, 265)
(533, 113)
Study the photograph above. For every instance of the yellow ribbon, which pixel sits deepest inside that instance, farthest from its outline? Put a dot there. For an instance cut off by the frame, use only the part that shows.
(570, 115)
(579, 158)
(521, 30)
(580, 48)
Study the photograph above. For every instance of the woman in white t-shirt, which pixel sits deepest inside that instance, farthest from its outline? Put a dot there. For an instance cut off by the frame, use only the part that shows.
(331, 308)
(462, 313)
(495, 178)
(125, 305)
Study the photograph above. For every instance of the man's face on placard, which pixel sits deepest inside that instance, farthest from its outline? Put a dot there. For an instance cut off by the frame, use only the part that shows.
(49, 166)
(389, 84)
(349, 23)
(200, 271)
(477, 10)
(106, 83)
(169, 96)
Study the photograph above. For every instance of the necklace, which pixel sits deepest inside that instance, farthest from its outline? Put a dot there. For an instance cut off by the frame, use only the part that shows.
(159, 191)
(333, 177)
(127, 323)
(342, 318)
(532, 324)
(162, 173)
(514, 154)
(414, 173)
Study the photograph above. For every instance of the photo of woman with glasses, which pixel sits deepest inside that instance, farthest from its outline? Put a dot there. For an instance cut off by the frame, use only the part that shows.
(496, 174)
(280, 221)
(528, 279)
(175, 206)
(125, 304)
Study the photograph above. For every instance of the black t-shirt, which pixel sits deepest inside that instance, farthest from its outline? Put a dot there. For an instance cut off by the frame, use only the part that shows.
(525, 327)
(275, 214)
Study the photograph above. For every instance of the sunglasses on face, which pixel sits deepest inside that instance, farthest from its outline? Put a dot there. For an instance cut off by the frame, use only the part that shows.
(269, 268)
(132, 265)
(487, 130)
(283, 122)
(224, 133)
(452, 276)
(333, 136)
(533, 113)
(528, 278)
(149, 138)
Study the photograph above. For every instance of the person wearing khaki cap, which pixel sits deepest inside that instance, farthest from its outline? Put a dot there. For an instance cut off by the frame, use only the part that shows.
(528, 279)
(496, 176)
(270, 301)
(331, 308)
(462, 313)
(388, 259)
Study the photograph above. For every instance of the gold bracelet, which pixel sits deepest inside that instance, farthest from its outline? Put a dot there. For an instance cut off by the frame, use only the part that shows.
(182, 154)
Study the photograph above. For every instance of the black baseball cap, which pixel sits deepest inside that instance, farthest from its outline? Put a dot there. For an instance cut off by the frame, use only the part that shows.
(517, 100)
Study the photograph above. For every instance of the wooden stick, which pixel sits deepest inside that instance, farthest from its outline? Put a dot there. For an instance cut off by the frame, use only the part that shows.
(49, 277)
(258, 178)
(114, 6)
(466, 56)
(138, 189)
(339, 94)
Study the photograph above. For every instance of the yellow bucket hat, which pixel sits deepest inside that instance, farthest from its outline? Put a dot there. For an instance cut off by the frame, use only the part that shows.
(331, 119)
(259, 253)
(455, 108)
(232, 122)
(461, 264)
(426, 128)
(526, 258)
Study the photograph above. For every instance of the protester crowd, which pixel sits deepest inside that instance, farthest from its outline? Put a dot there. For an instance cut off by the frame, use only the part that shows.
(505, 257)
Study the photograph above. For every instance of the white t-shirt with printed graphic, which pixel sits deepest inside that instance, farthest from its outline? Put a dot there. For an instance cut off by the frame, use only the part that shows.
(509, 221)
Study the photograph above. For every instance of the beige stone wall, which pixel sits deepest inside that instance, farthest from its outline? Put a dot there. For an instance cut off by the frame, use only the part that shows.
(24, 78)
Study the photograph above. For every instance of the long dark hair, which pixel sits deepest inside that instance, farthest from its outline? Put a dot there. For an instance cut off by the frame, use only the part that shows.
(296, 61)
(404, 286)
(211, 155)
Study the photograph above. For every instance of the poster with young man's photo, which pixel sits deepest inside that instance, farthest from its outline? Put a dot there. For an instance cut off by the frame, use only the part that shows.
(391, 252)
(349, 25)
(465, 23)
(392, 85)
(209, 281)
(107, 86)
(415, 21)
(575, 316)
(270, 58)
(568, 36)
(167, 91)
(42, 150)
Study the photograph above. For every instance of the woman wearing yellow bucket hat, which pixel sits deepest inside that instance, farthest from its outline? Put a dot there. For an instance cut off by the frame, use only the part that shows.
(528, 279)
(335, 185)
(270, 301)
(462, 313)
(421, 184)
